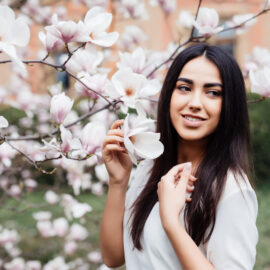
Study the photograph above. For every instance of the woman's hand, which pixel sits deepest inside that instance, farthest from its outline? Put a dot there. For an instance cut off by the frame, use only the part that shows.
(174, 189)
(115, 155)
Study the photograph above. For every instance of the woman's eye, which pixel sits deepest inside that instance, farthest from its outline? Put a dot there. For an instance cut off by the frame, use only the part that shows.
(214, 93)
(183, 88)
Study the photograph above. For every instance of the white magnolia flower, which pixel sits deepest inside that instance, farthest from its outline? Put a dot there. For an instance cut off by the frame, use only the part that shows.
(131, 87)
(168, 6)
(70, 247)
(60, 107)
(131, 37)
(96, 22)
(77, 232)
(60, 226)
(261, 56)
(51, 197)
(8, 237)
(15, 264)
(238, 22)
(57, 263)
(3, 122)
(42, 215)
(185, 19)
(94, 256)
(68, 142)
(135, 60)
(140, 143)
(102, 173)
(13, 33)
(85, 60)
(260, 81)
(78, 210)
(133, 9)
(207, 22)
(45, 228)
(33, 265)
(95, 82)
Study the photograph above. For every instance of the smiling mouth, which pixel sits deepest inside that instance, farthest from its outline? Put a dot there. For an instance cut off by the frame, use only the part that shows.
(194, 119)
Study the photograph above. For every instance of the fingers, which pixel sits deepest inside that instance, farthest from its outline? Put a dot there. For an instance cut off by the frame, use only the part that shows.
(116, 124)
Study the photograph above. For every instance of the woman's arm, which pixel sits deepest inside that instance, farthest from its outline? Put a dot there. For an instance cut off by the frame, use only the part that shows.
(172, 197)
(119, 166)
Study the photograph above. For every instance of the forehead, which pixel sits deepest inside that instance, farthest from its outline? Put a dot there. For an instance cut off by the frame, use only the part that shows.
(201, 69)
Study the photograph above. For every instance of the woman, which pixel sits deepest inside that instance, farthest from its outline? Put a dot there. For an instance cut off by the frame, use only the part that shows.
(203, 122)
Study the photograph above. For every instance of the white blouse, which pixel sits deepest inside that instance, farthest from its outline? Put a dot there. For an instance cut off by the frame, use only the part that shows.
(232, 245)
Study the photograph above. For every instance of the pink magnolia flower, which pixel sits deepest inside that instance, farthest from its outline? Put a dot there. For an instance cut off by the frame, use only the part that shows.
(260, 81)
(207, 22)
(50, 42)
(45, 228)
(30, 184)
(94, 256)
(96, 22)
(60, 107)
(185, 19)
(67, 31)
(133, 9)
(92, 137)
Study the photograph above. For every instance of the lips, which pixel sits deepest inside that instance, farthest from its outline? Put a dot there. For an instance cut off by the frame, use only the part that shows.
(192, 120)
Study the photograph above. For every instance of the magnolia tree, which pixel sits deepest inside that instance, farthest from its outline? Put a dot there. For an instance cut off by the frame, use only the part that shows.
(62, 130)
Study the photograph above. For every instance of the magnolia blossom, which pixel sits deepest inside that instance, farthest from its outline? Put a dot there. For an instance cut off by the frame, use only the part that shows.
(131, 87)
(260, 81)
(3, 122)
(85, 60)
(13, 33)
(45, 228)
(66, 31)
(50, 41)
(131, 37)
(168, 6)
(133, 9)
(261, 56)
(42, 215)
(238, 22)
(96, 21)
(60, 226)
(92, 137)
(55, 264)
(77, 232)
(70, 247)
(185, 19)
(97, 189)
(60, 107)
(33, 265)
(51, 197)
(94, 256)
(15, 264)
(102, 173)
(136, 61)
(68, 143)
(207, 22)
(95, 82)
(8, 237)
(80, 209)
(30, 184)
(139, 142)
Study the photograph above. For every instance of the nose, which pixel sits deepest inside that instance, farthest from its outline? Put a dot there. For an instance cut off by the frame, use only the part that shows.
(195, 101)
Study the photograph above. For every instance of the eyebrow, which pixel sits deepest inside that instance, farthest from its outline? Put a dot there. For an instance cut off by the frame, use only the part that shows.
(205, 85)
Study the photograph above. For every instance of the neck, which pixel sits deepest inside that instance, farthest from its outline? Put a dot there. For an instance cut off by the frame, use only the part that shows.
(191, 151)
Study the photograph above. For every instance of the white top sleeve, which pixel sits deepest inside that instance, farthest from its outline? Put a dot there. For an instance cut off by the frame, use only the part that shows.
(232, 244)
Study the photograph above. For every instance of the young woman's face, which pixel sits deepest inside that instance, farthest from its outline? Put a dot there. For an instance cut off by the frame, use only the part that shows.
(196, 101)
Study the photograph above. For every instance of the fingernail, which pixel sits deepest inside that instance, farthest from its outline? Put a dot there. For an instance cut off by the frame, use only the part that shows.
(187, 167)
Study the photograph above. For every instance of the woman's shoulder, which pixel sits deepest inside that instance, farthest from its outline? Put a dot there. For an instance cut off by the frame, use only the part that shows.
(237, 184)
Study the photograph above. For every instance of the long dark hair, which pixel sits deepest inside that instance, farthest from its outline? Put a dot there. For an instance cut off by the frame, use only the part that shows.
(227, 148)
